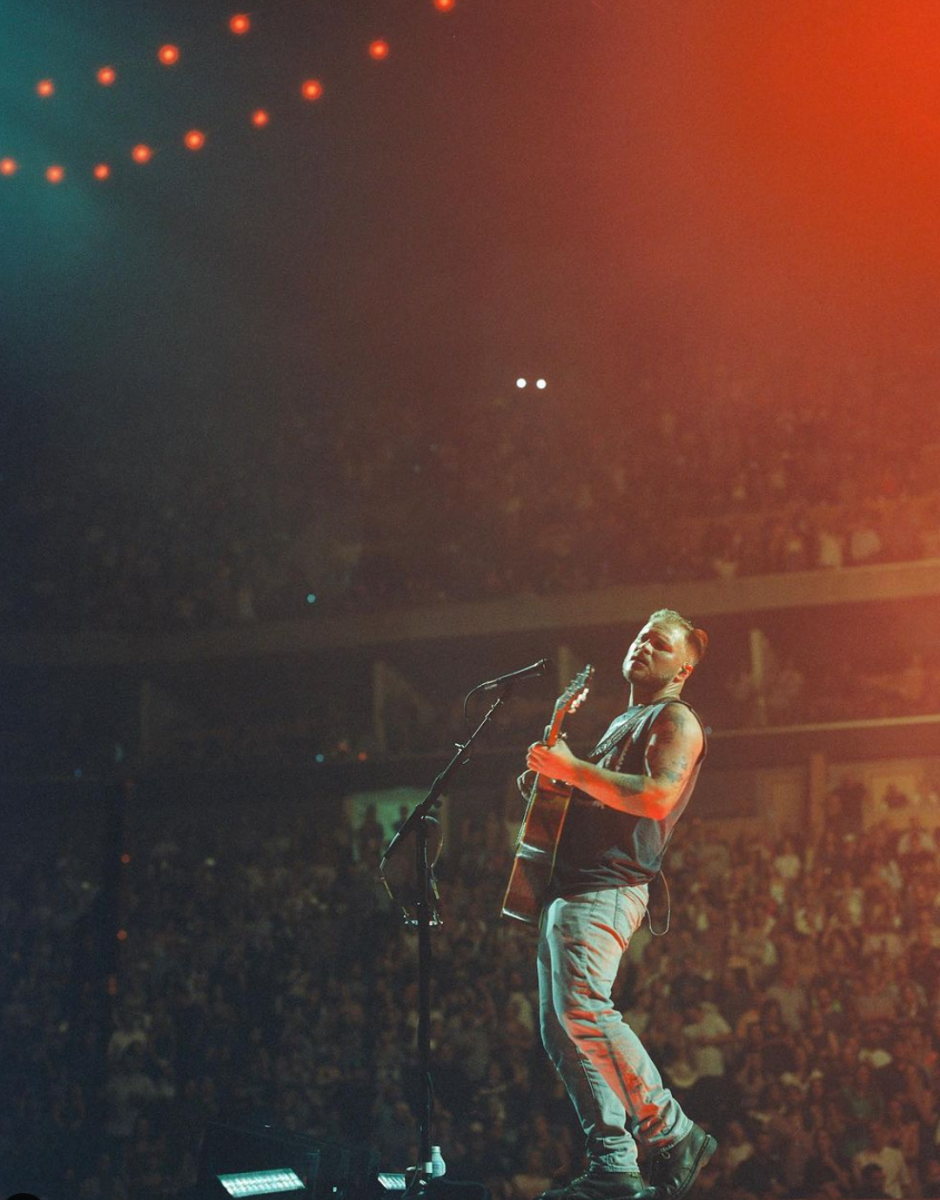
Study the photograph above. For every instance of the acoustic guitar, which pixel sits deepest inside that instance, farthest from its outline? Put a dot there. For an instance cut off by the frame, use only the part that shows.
(544, 820)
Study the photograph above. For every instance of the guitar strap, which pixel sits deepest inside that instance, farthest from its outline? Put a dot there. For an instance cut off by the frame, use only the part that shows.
(614, 734)
(620, 729)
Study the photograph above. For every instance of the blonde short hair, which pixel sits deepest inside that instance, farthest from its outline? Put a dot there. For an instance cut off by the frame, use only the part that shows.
(696, 639)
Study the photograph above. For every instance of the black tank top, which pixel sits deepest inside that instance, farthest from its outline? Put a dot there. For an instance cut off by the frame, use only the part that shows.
(601, 847)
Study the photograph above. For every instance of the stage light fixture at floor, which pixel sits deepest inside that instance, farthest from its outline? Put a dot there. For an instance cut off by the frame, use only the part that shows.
(259, 1159)
(255, 1158)
(262, 1183)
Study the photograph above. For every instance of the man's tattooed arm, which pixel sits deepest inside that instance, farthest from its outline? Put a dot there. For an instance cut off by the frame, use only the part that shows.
(674, 747)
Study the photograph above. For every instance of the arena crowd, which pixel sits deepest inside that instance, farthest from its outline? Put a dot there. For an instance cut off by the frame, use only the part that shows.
(756, 471)
(794, 1006)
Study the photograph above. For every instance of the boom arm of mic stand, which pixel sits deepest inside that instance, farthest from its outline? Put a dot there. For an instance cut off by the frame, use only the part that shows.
(433, 798)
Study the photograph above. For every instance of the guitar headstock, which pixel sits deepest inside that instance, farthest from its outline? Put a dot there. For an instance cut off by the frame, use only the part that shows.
(570, 699)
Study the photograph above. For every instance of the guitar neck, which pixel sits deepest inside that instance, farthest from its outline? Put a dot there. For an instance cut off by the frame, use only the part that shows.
(553, 729)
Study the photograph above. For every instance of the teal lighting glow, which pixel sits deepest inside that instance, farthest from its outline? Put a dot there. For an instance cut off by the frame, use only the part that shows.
(261, 1183)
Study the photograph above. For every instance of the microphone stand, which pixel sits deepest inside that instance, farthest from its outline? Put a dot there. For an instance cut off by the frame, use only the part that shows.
(417, 820)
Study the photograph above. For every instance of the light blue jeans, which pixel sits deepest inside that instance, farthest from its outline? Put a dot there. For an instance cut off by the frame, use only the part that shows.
(612, 1081)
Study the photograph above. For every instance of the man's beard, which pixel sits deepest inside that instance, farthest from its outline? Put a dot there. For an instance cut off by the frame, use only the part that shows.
(646, 678)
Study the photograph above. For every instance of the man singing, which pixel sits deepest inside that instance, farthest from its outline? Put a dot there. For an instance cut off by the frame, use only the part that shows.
(625, 804)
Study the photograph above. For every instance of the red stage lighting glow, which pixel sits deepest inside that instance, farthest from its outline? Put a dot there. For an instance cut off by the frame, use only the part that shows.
(55, 174)
(378, 49)
(142, 153)
(240, 23)
(107, 76)
(45, 87)
(8, 166)
(102, 171)
(195, 139)
(312, 89)
(169, 55)
(444, 5)
(260, 117)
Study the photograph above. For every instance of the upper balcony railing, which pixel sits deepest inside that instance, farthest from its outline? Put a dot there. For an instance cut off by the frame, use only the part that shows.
(611, 606)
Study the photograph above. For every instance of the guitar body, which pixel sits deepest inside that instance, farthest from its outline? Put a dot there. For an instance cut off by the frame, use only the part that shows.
(543, 822)
(535, 850)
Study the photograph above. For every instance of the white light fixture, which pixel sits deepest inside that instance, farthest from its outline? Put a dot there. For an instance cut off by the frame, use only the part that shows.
(261, 1183)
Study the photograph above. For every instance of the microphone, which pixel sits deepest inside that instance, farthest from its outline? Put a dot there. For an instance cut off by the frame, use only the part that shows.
(538, 668)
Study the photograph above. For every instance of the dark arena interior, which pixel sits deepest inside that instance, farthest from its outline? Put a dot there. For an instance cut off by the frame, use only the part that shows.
(359, 354)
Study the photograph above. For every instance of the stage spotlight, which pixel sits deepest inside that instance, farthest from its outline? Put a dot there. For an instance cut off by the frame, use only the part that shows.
(260, 117)
(107, 76)
(262, 1183)
(261, 1160)
(55, 174)
(195, 139)
(169, 55)
(45, 87)
(102, 171)
(8, 166)
(312, 89)
(443, 5)
(541, 384)
(520, 382)
(142, 153)
(240, 23)
(378, 49)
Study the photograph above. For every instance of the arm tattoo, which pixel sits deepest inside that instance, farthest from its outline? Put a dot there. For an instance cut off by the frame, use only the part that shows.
(670, 754)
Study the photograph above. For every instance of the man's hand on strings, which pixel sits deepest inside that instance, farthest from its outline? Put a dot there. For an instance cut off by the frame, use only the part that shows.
(557, 762)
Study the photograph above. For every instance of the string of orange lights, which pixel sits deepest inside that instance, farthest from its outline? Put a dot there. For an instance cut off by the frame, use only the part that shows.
(194, 140)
